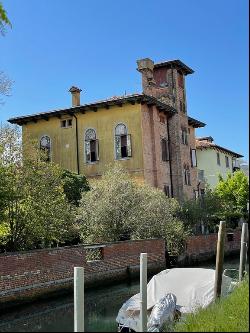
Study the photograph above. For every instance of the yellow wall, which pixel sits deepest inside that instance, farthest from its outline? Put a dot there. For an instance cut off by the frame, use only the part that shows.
(104, 122)
(207, 161)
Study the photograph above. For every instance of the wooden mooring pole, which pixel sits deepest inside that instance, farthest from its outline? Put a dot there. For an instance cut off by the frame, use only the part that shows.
(78, 299)
(243, 250)
(219, 259)
(143, 292)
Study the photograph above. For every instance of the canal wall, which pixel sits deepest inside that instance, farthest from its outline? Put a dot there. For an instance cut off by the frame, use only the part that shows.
(27, 275)
(203, 247)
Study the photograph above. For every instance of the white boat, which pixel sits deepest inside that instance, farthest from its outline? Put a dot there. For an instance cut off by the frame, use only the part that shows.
(170, 293)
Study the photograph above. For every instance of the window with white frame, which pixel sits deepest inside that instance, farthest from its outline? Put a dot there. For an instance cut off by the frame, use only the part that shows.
(45, 146)
(187, 177)
(91, 146)
(123, 147)
(193, 157)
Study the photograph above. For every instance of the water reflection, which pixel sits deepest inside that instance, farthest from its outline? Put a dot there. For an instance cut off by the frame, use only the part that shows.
(56, 315)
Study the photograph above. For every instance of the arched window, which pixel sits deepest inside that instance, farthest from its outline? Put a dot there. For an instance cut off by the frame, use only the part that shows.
(123, 147)
(184, 136)
(91, 146)
(45, 146)
(187, 177)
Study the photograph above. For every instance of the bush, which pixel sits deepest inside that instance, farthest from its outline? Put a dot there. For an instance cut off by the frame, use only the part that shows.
(202, 211)
(74, 185)
(117, 208)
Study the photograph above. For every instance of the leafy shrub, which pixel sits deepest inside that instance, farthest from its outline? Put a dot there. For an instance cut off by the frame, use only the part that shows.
(74, 185)
(117, 208)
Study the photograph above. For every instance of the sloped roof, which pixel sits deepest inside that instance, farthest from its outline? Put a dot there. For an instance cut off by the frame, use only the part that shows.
(205, 144)
(115, 100)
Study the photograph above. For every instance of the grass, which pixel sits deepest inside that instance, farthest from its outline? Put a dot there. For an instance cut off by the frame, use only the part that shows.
(230, 314)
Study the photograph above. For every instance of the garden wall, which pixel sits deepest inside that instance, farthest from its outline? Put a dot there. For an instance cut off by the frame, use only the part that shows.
(203, 247)
(29, 274)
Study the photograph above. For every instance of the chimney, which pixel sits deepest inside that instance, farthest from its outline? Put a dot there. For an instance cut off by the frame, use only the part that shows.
(75, 92)
(146, 68)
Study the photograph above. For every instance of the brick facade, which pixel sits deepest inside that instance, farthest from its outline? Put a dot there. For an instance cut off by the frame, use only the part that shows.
(167, 83)
(29, 274)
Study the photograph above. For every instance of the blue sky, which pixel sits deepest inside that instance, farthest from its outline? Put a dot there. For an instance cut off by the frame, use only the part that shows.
(94, 44)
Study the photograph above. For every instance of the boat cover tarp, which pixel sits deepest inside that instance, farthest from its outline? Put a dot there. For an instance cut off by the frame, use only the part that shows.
(193, 287)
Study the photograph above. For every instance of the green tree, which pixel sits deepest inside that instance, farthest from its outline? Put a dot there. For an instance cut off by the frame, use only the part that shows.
(117, 208)
(74, 185)
(3, 19)
(34, 210)
(233, 193)
(201, 212)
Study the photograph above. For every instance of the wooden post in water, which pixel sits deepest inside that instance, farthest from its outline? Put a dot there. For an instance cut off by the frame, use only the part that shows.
(219, 259)
(243, 250)
(78, 299)
(143, 292)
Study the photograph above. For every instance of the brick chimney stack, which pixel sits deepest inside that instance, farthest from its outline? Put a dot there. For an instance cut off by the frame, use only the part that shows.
(146, 68)
(75, 92)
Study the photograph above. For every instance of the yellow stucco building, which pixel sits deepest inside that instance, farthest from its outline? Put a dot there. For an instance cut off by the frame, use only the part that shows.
(150, 133)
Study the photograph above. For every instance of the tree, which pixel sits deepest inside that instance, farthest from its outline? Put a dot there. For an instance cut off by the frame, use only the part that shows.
(202, 212)
(234, 194)
(117, 208)
(34, 210)
(74, 185)
(3, 19)
(5, 82)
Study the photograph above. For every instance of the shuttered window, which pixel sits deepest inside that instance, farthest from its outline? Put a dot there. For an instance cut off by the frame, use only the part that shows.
(164, 150)
(45, 147)
(123, 147)
(91, 146)
(193, 157)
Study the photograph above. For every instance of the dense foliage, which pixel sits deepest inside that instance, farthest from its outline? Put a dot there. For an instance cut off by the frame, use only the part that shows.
(233, 193)
(34, 210)
(201, 215)
(117, 208)
(74, 185)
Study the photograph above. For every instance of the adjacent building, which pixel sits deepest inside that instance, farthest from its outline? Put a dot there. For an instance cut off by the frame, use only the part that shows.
(214, 160)
(150, 134)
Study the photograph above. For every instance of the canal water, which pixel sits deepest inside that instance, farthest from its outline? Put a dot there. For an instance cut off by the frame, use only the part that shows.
(56, 315)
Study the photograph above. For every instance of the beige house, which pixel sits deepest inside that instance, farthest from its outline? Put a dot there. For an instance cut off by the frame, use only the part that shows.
(214, 160)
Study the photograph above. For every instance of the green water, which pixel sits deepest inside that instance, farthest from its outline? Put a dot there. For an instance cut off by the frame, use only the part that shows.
(56, 315)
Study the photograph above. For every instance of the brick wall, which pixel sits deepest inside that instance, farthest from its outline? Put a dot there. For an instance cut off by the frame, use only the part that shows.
(202, 247)
(29, 274)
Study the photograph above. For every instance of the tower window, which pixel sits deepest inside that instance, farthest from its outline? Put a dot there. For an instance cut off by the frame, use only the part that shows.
(187, 177)
(164, 150)
(184, 136)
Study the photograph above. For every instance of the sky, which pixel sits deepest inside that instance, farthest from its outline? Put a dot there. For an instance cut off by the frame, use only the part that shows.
(94, 44)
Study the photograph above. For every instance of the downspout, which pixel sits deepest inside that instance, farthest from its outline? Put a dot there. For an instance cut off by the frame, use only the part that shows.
(77, 146)
(170, 164)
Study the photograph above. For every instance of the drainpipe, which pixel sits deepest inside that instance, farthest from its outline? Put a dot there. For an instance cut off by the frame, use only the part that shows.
(77, 147)
(170, 164)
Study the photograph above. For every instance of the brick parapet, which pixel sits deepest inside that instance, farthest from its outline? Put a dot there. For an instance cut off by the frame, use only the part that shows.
(31, 273)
